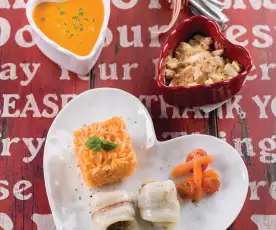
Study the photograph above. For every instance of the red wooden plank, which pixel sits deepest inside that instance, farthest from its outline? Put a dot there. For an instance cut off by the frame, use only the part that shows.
(250, 128)
(17, 165)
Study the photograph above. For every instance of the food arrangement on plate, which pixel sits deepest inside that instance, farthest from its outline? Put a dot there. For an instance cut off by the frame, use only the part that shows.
(105, 156)
(201, 180)
(112, 173)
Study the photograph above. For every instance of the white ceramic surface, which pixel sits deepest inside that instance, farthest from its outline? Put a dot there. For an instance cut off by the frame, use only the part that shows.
(69, 198)
(63, 57)
(212, 107)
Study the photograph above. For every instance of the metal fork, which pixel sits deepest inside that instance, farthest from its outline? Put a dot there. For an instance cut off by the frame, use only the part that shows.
(211, 9)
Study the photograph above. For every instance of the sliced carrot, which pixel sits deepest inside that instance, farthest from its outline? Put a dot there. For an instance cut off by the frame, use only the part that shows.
(182, 169)
(197, 179)
(197, 173)
(198, 194)
(205, 160)
(190, 178)
(210, 173)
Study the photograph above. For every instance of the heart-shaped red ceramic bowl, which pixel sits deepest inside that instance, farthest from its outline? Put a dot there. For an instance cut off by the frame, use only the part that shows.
(202, 94)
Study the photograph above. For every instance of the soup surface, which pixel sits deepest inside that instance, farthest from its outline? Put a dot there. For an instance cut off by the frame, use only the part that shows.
(73, 24)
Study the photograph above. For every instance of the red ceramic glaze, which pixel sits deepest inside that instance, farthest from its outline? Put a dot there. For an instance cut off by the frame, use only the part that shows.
(202, 94)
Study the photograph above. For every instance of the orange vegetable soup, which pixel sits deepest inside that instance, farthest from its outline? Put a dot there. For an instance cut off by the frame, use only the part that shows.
(73, 24)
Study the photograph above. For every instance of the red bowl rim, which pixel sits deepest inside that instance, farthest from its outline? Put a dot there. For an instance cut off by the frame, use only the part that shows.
(244, 73)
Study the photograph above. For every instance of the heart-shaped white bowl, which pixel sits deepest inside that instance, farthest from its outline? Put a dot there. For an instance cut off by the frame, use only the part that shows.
(69, 197)
(63, 57)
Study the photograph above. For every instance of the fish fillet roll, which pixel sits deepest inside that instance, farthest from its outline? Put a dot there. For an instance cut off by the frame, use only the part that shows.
(113, 211)
(158, 204)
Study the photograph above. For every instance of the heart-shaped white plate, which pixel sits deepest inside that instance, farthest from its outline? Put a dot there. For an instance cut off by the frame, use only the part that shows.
(63, 57)
(69, 198)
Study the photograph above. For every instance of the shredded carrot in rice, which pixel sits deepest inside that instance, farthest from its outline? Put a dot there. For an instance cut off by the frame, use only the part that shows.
(100, 168)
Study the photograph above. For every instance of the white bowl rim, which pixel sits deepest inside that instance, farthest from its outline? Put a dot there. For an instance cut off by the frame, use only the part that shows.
(31, 4)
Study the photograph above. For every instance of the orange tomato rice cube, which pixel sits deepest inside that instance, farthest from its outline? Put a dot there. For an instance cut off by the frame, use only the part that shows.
(102, 167)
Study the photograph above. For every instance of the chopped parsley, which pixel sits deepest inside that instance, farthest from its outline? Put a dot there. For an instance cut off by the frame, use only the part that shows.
(81, 27)
(76, 22)
(81, 13)
(76, 18)
(61, 11)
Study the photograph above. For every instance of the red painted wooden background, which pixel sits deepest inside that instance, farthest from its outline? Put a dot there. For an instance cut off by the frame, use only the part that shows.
(28, 107)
